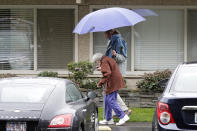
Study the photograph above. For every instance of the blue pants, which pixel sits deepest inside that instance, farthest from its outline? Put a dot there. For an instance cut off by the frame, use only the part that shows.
(111, 103)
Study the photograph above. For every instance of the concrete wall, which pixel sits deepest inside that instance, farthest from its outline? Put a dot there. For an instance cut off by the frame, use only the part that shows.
(84, 40)
(142, 2)
(99, 2)
(131, 99)
(131, 83)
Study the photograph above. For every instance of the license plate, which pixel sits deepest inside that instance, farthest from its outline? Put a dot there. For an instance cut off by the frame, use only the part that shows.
(195, 119)
(16, 126)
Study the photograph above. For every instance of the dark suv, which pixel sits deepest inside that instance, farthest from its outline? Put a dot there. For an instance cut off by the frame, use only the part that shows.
(177, 107)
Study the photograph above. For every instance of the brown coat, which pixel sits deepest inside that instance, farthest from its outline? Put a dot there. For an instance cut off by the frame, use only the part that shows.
(112, 77)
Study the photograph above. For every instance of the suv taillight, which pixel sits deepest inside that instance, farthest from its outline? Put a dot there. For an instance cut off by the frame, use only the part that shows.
(61, 121)
(163, 114)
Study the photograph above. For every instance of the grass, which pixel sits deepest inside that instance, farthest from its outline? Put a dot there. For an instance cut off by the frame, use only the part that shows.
(138, 114)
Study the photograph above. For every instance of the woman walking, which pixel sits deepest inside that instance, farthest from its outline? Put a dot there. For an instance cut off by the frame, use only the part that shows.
(117, 49)
(113, 81)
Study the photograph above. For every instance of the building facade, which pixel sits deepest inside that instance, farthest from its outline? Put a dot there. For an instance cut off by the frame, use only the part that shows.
(36, 35)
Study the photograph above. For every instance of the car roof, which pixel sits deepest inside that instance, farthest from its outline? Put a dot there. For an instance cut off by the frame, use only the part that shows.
(31, 80)
(189, 64)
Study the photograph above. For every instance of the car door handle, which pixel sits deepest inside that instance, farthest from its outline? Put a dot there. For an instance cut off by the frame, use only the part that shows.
(84, 110)
(189, 108)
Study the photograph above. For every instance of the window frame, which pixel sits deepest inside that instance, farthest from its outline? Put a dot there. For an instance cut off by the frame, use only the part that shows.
(133, 72)
(35, 70)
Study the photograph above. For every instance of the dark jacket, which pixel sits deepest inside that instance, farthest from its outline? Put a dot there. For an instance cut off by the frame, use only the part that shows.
(117, 44)
(112, 77)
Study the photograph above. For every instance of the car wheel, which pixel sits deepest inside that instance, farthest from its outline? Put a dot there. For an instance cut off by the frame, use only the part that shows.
(96, 126)
(154, 123)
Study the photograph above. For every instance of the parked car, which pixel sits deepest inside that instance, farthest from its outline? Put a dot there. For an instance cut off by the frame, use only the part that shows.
(177, 107)
(43, 104)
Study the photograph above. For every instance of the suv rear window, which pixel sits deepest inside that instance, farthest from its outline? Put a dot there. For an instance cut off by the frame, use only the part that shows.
(185, 80)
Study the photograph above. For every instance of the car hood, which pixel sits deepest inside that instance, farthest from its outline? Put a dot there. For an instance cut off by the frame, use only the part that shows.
(22, 111)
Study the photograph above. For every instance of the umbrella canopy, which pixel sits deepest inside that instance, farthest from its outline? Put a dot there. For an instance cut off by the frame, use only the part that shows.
(106, 19)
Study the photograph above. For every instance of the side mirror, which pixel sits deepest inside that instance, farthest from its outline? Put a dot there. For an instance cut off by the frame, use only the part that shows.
(163, 83)
(91, 95)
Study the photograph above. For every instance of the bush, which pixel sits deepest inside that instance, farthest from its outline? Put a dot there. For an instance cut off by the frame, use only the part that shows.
(7, 75)
(150, 81)
(48, 74)
(90, 84)
(79, 74)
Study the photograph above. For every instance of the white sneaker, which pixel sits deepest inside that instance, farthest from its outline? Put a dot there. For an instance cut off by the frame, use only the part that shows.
(105, 122)
(126, 118)
(123, 120)
(111, 122)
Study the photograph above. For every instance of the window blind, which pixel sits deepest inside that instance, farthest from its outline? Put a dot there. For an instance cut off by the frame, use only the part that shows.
(55, 38)
(16, 39)
(192, 32)
(159, 41)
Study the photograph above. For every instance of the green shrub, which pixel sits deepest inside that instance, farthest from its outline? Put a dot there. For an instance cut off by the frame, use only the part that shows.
(7, 75)
(150, 81)
(90, 84)
(79, 74)
(48, 74)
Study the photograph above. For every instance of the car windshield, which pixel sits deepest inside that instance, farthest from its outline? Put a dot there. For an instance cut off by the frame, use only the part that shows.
(186, 80)
(28, 93)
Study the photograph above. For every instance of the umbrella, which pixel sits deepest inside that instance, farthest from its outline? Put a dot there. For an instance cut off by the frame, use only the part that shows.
(106, 19)
(145, 12)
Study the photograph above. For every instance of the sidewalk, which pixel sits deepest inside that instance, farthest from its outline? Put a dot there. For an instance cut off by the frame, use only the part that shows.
(131, 126)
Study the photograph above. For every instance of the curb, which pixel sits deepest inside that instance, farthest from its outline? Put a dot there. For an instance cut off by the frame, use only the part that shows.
(104, 128)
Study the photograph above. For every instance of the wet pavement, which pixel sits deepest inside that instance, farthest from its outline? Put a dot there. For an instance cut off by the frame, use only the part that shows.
(133, 126)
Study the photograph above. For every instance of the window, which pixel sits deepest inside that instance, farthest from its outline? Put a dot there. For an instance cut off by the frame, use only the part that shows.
(55, 38)
(16, 39)
(185, 80)
(100, 43)
(28, 93)
(159, 41)
(192, 32)
(72, 93)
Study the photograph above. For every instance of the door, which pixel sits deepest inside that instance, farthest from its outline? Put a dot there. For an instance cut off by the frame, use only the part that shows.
(83, 107)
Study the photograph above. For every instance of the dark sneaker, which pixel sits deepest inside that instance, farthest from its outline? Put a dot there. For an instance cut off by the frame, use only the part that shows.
(128, 112)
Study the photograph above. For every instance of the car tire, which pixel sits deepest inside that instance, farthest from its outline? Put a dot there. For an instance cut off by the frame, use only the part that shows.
(154, 123)
(96, 125)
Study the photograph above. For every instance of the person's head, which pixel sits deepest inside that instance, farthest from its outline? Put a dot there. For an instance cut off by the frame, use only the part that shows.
(109, 33)
(96, 59)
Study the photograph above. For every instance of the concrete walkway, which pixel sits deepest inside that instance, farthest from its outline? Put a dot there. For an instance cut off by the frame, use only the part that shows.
(131, 126)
